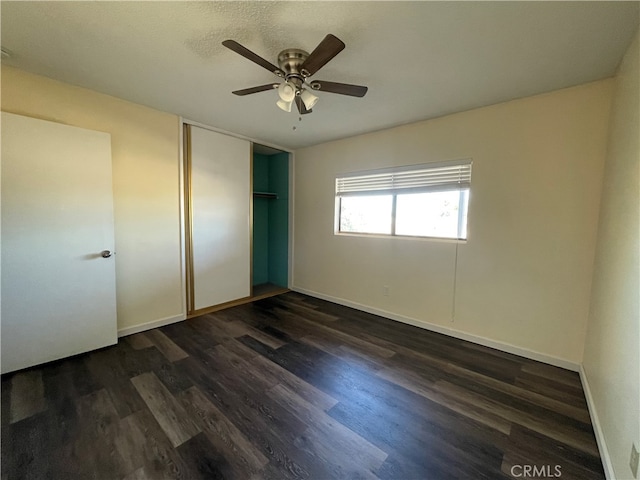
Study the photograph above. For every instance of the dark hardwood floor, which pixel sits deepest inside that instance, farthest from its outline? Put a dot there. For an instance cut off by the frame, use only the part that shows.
(294, 387)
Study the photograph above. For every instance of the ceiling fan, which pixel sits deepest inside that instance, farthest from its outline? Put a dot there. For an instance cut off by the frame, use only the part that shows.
(295, 68)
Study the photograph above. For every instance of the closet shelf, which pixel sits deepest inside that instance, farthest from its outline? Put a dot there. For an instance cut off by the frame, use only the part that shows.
(265, 195)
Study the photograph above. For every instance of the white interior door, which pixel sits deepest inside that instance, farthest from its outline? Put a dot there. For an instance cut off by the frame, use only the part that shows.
(58, 292)
(220, 184)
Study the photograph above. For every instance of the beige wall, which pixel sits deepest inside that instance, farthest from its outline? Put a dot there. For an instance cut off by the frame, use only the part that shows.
(524, 276)
(611, 358)
(145, 150)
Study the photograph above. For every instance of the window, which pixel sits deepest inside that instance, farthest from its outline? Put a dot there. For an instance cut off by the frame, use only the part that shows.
(428, 200)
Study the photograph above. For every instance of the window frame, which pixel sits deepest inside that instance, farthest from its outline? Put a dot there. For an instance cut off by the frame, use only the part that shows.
(464, 189)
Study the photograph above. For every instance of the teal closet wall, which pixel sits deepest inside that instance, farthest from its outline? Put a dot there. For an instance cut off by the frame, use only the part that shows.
(260, 220)
(271, 219)
(279, 219)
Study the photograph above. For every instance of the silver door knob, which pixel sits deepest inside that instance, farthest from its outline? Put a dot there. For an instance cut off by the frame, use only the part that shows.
(105, 253)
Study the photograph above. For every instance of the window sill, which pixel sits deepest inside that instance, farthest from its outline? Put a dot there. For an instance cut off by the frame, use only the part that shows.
(404, 237)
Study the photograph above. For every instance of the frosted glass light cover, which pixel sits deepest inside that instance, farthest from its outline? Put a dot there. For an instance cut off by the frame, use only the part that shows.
(286, 106)
(286, 92)
(308, 98)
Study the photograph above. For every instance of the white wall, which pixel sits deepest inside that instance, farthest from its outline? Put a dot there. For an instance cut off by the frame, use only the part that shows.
(524, 275)
(611, 358)
(145, 153)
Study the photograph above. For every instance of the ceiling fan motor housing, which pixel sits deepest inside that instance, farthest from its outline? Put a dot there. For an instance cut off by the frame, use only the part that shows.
(290, 61)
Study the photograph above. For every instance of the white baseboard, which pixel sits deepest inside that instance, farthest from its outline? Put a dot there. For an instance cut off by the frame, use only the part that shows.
(595, 421)
(123, 332)
(487, 342)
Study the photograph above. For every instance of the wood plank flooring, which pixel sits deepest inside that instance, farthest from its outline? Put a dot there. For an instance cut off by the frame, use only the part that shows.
(292, 387)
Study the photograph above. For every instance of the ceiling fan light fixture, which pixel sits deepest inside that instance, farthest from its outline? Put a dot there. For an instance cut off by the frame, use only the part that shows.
(287, 93)
(308, 98)
(286, 106)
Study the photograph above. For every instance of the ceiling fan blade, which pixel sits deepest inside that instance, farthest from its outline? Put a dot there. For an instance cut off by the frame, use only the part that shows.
(328, 48)
(301, 108)
(261, 88)
(341, 88)
(255, 58)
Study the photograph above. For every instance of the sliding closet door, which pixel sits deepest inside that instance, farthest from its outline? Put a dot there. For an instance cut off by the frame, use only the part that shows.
(219, 188)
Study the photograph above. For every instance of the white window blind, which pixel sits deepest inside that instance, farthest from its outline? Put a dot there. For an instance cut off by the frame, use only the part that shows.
(427, 177)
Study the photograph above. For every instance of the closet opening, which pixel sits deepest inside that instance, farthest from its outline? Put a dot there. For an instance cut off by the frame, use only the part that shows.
(270, 221)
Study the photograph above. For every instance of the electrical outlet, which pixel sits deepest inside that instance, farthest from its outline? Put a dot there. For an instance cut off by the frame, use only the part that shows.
(633, 463)
(385, 290)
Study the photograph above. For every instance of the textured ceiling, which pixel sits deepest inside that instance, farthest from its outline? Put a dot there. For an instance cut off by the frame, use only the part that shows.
(419, 59)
